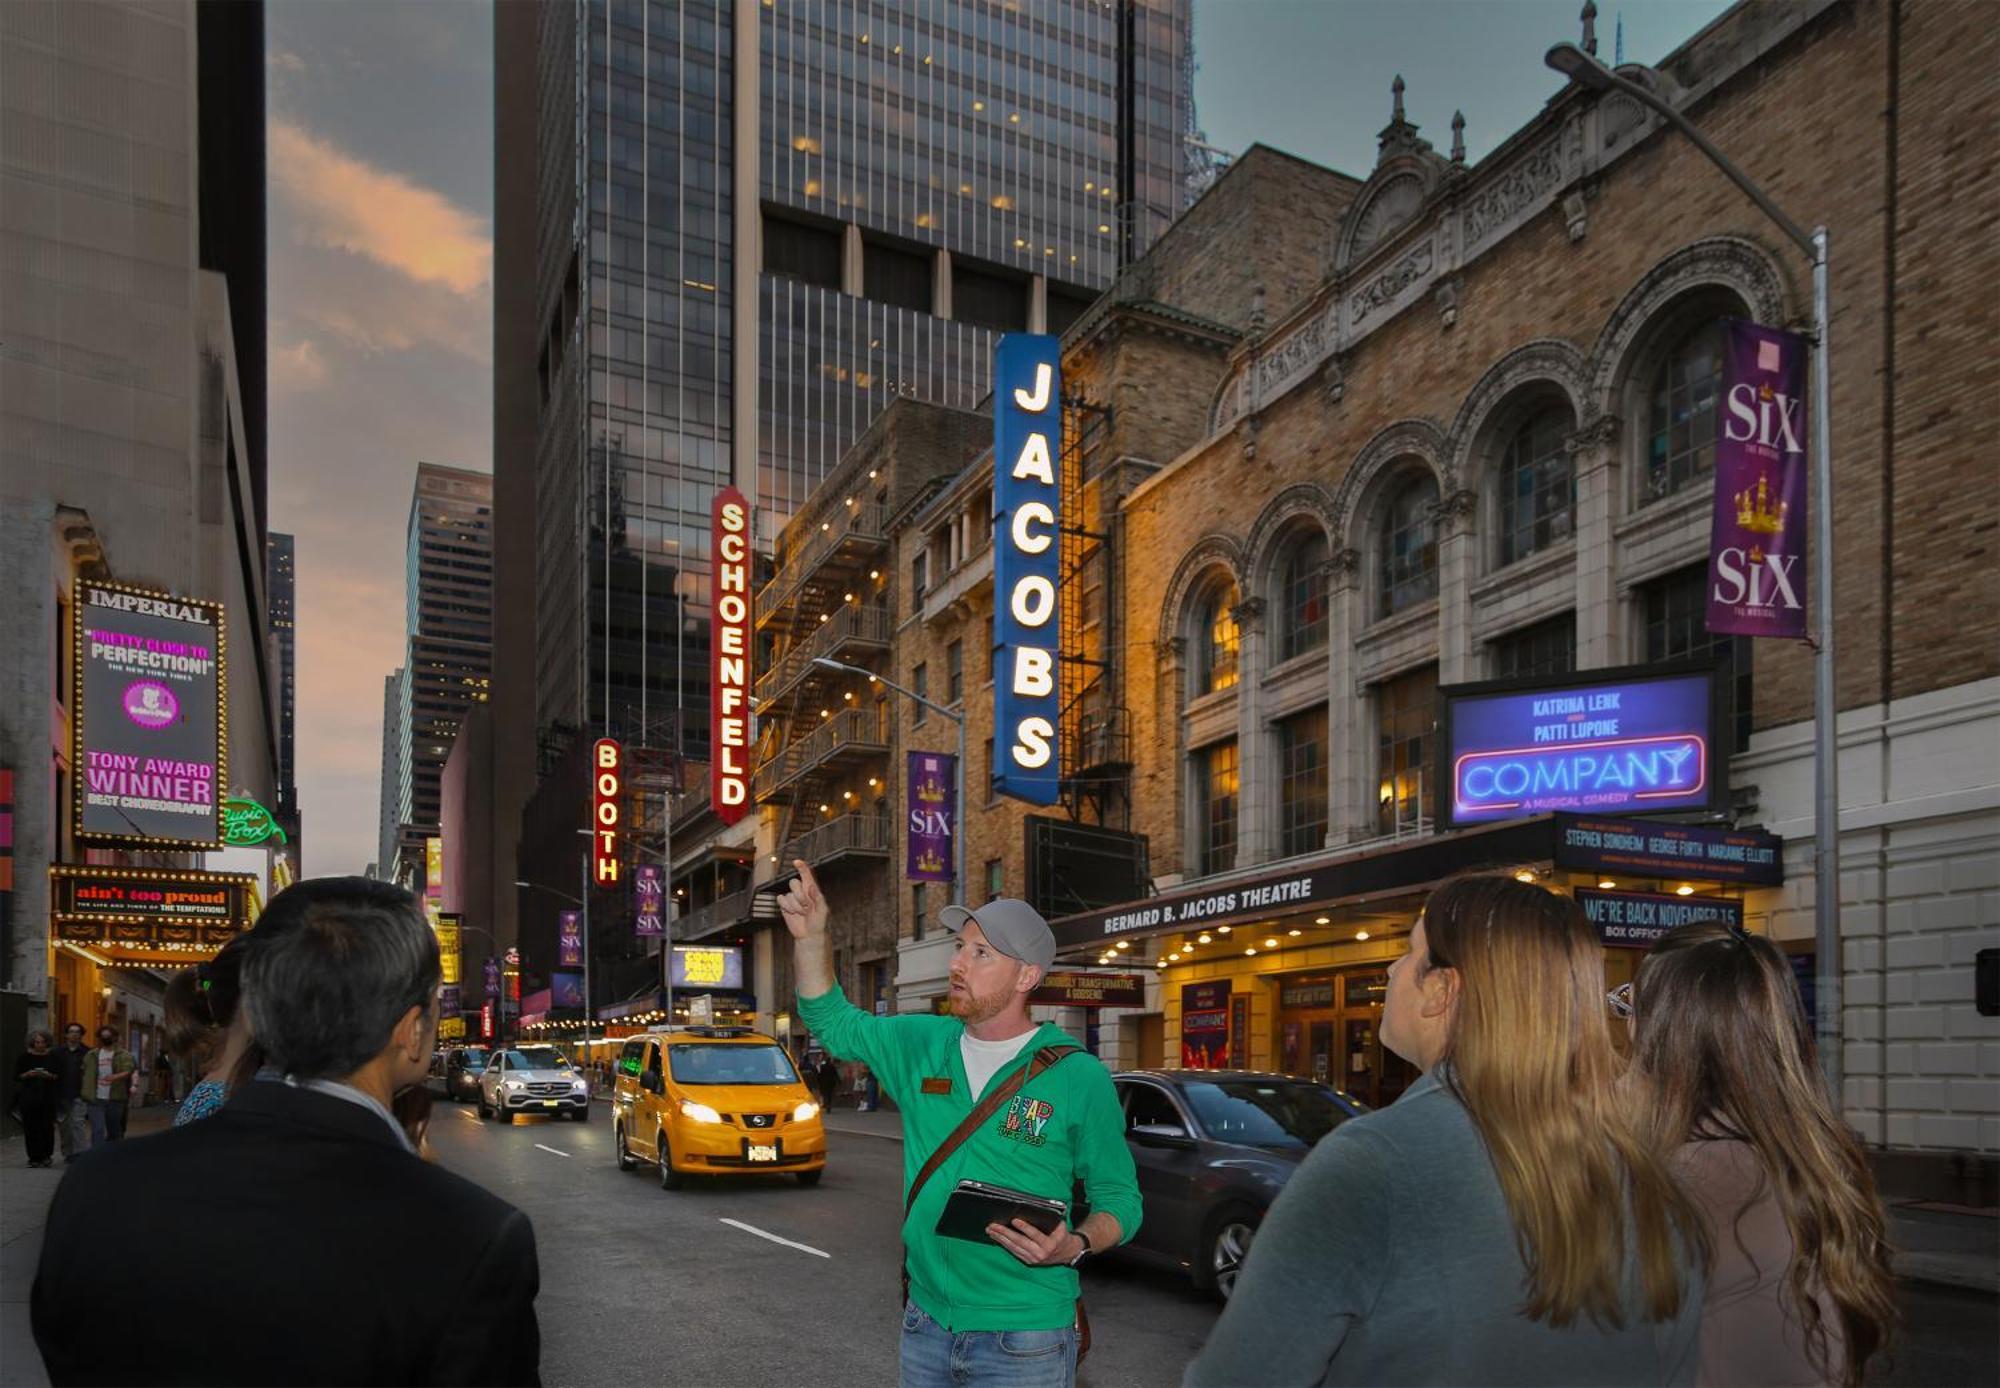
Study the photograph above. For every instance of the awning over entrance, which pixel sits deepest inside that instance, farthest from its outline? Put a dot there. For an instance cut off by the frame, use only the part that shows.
(1697, 852)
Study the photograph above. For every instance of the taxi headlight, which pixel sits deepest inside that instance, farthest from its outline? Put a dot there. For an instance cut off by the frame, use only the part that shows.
(806, 1110)
(701, 1113)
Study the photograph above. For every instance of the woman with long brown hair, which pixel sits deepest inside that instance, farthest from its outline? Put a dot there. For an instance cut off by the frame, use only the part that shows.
(208, 1029)
(1800, 1289)
(1502, 1222)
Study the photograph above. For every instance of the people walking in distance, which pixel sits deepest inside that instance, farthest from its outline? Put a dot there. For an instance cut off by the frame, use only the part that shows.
(337, 1239)
(107, 1087)
(828, 1080)
(1501, 1222)
(985, 1093)
(36, 1082)
(1799, 1290)
(72, 1116)
(163, 1077)
(208, 1028)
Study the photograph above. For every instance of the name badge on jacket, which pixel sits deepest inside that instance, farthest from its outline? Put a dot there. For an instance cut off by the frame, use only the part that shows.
(937, 1084)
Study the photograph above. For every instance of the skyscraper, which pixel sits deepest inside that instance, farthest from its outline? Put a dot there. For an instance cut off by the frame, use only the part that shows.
(448, 602)
(927, 175)
(394, 744)
(281, 591)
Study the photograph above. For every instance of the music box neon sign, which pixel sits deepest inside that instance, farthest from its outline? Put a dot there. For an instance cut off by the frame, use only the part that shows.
(1638, 745)
(1027, 516)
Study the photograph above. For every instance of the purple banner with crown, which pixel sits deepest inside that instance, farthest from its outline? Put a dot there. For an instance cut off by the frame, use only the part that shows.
(1757, 546)
(931, 794)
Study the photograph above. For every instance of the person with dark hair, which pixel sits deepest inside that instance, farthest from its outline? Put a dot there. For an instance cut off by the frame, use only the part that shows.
(107, 1087)
(305, 1188)
(1502, 1221)
(35, 1082)
(209, 1029)
(1800, 1289)
(72, 1118)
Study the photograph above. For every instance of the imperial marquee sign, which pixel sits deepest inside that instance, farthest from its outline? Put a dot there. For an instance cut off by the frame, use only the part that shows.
(1027, 522)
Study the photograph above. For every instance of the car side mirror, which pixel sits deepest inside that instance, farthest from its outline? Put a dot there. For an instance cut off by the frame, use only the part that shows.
(1159, 1135)
(651, 1083)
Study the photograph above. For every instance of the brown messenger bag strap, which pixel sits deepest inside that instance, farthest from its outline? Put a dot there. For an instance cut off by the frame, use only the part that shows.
(985, 1109)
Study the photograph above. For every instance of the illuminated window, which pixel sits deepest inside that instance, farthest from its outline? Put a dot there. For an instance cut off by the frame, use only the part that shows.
(1537, 487)
(1405, 719)
(1217, 642)
(1302, 782)
(1680, 432)
(1409, 552)
(1215, 778)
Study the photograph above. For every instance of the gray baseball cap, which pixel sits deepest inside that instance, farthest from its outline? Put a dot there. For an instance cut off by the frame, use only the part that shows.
(1013, 927)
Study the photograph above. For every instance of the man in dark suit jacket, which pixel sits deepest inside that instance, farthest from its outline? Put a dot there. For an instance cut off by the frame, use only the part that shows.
(295, 1237)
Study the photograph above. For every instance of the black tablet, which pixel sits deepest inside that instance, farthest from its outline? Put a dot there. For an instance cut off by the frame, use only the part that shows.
(973, 1205)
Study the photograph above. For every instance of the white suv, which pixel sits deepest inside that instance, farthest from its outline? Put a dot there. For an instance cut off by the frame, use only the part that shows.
(533, 1079)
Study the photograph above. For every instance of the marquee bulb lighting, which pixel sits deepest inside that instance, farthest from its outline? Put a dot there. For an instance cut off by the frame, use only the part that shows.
(1205, 938)
(1222, 929)
(1124, 944)
(1606, 884)
(1295, 933)
(1683, 890)
(1360, 934)
(874, 573)
(1322, 920)
(1271, 943)
(1524, 876)
(1251, 950)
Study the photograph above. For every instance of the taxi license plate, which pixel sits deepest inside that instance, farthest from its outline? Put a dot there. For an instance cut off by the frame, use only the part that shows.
(762, 1153)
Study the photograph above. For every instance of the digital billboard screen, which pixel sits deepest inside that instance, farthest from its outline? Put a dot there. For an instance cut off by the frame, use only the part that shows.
(149, 735)
(1631, 740)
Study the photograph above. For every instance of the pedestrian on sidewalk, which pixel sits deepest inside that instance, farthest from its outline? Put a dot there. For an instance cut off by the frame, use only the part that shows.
(36, 1082)
(72, 1119)
(1501, 1222)
(163, 1076)
(984, 1092)
(341, 1246)
(1800, 1288)
(107, 1087)
(209, 1029)
(828, 1078)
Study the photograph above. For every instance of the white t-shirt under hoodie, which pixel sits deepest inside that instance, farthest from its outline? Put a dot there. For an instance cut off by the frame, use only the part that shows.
(985, 1059)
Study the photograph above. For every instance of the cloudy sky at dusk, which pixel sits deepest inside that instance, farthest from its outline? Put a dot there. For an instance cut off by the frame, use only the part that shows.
(381, 177)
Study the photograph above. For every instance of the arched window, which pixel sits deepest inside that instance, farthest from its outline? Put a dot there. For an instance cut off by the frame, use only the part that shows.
(1537, 486)
(1409, 551)
(1302, 596)
(1216, 641)
(1680, 425)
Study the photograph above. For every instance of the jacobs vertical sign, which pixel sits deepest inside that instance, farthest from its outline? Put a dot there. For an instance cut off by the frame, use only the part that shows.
(1027, 520)
(151, 736)
(729, 667)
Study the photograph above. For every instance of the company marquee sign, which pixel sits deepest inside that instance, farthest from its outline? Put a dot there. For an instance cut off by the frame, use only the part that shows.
(150, 731)
(729, 660)
(1638, 849)
(1634, 739)
(1027, 549)
(1637, 920)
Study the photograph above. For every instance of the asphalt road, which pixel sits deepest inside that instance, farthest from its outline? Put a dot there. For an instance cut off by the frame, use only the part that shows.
(742, 1277)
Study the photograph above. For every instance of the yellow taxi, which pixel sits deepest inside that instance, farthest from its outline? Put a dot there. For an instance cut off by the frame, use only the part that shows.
(709, 1101)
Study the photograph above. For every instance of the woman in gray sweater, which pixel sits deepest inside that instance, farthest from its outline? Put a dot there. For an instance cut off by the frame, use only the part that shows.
(1500, 1223)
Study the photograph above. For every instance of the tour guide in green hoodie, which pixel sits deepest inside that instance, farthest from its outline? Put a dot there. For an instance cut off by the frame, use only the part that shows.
(1063, 1126)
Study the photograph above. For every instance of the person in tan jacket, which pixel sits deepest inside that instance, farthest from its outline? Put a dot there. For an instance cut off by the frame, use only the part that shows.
(107, 1087)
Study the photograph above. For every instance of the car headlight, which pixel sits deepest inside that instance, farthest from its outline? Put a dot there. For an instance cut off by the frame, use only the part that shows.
(579, 1086)
(511, 1085)
(701, 1113)
(806, 1110)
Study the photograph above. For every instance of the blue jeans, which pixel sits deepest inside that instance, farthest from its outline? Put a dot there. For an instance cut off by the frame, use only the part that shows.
(107, 1121)
(934, 1357)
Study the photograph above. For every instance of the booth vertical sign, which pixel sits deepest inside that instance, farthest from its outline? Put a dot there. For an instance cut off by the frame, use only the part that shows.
(1757, 541)
(1027, 447)
(607, 810)
(729, 659)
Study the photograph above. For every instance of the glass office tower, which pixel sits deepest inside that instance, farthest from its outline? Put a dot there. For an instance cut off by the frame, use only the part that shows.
(930, 173)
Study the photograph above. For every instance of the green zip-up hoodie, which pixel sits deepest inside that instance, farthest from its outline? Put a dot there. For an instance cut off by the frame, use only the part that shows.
(1063, 1127)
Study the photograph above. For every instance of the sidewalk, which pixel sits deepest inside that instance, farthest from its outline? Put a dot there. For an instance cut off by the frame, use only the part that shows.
(883, 1123)
(25, 1193)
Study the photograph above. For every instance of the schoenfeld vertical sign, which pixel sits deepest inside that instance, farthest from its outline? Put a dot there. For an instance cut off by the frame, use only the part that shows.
(1027, 516)
(150, 737)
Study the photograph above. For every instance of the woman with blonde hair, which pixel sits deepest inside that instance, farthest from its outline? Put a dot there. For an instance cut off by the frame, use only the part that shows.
(1800, 1289)
(1501, 1222)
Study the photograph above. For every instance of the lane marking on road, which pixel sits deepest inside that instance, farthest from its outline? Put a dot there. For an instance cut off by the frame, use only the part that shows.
(546, 1148)
(766, 1234)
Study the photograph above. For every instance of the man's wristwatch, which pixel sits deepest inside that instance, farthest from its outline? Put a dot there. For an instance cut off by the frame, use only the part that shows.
(1085, 1252)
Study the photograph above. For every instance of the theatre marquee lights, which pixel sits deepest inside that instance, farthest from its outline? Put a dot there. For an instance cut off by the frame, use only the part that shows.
(729, 667)
(1027, 521)
(607, 792)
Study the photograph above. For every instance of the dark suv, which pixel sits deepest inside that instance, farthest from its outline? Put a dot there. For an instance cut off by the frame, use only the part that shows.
(463, 1066)
(1213, 1149)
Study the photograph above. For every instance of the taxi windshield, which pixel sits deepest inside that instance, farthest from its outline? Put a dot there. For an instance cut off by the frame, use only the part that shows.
(537, 1058)
(697, 1062)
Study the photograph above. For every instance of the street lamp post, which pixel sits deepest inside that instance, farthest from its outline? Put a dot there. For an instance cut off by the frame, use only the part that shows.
(957, 717)
(1584, 68)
